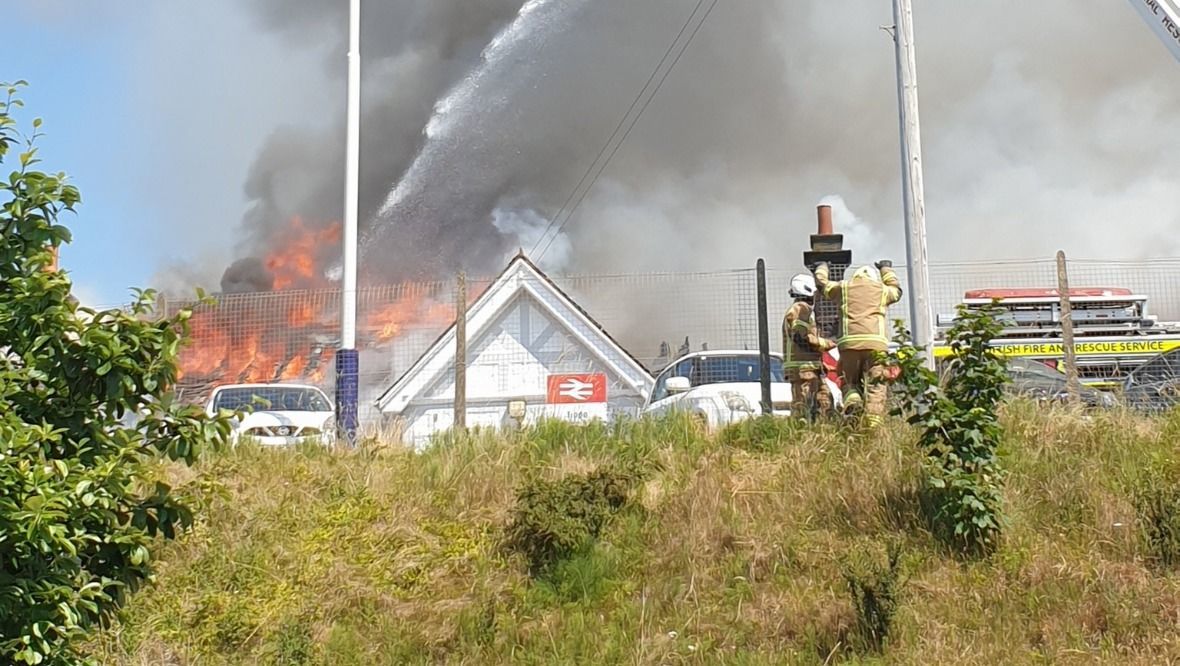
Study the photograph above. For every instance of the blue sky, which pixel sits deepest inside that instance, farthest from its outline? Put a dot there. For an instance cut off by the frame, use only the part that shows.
(156, 114)
(79, 85)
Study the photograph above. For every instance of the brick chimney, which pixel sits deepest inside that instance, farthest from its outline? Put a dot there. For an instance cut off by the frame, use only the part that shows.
(827, 246)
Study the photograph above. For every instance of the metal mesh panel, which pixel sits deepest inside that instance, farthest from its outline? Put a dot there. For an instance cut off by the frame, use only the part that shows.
(659, 317)
(293, 335)
(1159, 279)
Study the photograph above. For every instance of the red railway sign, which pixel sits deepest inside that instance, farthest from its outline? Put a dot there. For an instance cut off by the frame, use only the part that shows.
(576, 389)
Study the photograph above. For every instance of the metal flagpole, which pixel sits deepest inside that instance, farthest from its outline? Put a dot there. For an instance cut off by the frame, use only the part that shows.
(347, 360)
(911, 179)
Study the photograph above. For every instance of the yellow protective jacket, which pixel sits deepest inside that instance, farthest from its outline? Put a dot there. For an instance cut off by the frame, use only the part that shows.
(863, 300)
(803, 347)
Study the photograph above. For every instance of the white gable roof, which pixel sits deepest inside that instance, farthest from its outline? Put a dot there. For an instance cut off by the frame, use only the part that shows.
(520, 277)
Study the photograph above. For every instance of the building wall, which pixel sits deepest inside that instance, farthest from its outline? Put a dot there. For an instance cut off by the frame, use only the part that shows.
(513, 359)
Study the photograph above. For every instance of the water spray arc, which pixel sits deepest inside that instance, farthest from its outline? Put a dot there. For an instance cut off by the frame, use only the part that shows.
(603, 158)
(439, 129)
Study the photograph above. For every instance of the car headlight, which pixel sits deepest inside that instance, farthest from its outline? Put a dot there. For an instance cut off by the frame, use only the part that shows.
(736, 402)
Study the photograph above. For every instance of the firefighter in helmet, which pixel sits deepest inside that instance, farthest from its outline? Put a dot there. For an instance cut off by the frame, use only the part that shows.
(864, 298)
(803, 349)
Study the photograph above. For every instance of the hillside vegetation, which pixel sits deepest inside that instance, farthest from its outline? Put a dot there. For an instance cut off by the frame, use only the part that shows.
(768, 544)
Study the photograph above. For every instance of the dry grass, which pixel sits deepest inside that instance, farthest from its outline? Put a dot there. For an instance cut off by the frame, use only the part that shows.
(730, 553)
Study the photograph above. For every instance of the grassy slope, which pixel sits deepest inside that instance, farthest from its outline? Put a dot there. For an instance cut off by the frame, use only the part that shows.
(728, 555)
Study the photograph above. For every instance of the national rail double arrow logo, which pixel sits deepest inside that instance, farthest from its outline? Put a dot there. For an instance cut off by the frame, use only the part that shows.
(576, 389)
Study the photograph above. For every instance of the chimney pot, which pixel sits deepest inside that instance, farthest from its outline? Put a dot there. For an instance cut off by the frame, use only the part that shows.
(824, 213)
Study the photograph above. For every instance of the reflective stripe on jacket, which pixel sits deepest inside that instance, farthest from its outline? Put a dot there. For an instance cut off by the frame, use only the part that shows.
(863, 301)
(802, 345)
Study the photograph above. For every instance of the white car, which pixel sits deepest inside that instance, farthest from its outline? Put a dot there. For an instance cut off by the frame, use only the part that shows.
(721, 387)
(277, 414)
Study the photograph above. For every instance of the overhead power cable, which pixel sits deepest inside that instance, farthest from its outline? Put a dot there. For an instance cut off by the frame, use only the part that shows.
(578, 194)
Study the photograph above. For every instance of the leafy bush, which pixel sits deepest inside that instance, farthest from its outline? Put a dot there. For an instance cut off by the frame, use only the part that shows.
(761, 434)
(875, 587)
(78, 507)
(553, 520)
(960, 427)
(292, 644)
(1156, 497)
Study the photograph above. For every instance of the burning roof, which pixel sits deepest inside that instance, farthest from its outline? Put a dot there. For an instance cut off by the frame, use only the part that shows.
(289, 329)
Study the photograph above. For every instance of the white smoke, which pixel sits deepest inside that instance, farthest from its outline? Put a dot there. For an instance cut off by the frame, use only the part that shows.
(862, 236)
(529, 230)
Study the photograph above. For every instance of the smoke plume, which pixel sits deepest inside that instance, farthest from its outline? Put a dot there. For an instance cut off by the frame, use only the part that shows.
(1045, 125)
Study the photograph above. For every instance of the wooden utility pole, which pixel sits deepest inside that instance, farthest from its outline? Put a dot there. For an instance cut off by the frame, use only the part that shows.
(1067, 345)
(461, 353)
(763, 341)
(913, 195)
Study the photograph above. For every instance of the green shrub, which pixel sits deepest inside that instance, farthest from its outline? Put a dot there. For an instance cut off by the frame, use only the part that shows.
(292, 644)
(762, 434)
(874, 586)
(960, 428)
(1157, 505)
(79, 506)
(553, 520)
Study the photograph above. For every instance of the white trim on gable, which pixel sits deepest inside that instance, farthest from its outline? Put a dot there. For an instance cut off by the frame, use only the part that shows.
(521, 276)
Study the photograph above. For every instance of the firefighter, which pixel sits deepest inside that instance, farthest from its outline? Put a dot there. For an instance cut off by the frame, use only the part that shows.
(803, 349)
(864, 333)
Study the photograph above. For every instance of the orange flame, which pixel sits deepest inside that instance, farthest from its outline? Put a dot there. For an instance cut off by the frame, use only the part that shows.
(293, 263)
(252, 338)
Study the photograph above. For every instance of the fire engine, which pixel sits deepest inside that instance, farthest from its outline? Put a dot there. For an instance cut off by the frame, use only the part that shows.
(1113, 332)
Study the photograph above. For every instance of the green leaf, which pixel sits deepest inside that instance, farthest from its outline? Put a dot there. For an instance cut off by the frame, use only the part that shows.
(72, 473)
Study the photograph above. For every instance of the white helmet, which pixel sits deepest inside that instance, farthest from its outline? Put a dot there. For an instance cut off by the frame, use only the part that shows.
(868, 271)
(803, 286)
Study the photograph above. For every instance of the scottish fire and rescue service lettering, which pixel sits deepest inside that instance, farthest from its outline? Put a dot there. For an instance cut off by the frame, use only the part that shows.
(1082, 348)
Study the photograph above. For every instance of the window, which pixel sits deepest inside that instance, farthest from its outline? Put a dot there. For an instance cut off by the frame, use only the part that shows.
(733, 369)
(1160, 368)
(681, 369)
(275, 398)
(660, 391)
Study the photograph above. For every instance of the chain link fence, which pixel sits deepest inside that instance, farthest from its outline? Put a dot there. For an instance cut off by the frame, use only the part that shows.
(293, 335)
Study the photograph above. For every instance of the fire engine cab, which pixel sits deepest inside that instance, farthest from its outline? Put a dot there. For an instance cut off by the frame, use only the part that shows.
(1113, 333)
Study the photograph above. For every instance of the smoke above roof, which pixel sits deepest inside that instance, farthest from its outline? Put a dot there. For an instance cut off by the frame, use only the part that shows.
(1051, 122)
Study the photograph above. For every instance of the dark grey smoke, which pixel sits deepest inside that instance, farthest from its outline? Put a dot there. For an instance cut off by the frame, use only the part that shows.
(1043, 122)
(247, 275)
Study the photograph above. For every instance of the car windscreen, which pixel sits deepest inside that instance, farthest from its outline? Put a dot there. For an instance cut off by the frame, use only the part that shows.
(730, 369)
(279, 398)
(1023, 370)
(1161, 368)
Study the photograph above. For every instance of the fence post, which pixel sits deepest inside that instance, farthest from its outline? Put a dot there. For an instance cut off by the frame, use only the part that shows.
(1067, 344)
(763, 340)
(461, 353)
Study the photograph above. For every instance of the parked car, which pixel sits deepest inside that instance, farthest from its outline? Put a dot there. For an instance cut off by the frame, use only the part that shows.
(1155, 385)
(1035, 380)
(721, 387)
(276, 414)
